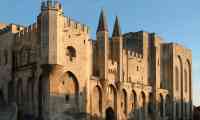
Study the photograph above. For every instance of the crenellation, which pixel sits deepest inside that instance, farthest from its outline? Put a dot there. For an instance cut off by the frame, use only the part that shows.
(76, 25)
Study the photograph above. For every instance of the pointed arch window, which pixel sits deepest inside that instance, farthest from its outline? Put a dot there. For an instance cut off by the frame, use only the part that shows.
(71, 52)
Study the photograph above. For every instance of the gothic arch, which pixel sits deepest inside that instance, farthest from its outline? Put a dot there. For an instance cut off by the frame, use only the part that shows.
(150, 105)
(168, 106)
(112, 97)
(161, 105)
(69, 88)
(133, 100)
(179, 73)
(124, 101)
(97, 100)
(43, 93)
(142, 105)
(189, 105)
(30, 94)
(20, 93)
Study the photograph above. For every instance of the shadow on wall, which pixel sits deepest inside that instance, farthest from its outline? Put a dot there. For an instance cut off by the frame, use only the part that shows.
(164, 111)
(196, 113)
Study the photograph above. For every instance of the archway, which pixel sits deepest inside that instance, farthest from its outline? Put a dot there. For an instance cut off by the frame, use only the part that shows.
(161, 105)
(168, 106)
(143, 105)
(133, 111)
(110, 114)
(97, 100)
(112, 97)
(124, 101)
(151, 109)
(69, 92)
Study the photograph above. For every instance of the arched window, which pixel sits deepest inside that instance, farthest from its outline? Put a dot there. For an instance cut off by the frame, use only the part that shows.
(71, 52)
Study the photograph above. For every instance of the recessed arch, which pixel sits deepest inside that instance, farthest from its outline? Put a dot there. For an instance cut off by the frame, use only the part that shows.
(124, 101)
(97, 100)
(19, 92)
(168, 106)
(133, 100)
(68, 90)
(112, 96)
(142, 105)
(150, 104)
(161, 105)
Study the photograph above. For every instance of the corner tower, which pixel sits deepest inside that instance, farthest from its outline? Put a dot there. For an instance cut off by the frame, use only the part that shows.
(51, 22)
(102, 46)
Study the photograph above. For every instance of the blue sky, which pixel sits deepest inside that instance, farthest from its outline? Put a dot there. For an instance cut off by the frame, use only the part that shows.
(173, 20)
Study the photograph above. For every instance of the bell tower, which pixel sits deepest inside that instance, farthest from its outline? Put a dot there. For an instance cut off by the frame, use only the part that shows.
(117, 46)
(102, 46)
(51, 24)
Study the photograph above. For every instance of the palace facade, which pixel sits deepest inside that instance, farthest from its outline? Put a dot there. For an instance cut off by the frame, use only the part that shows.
(53, 70)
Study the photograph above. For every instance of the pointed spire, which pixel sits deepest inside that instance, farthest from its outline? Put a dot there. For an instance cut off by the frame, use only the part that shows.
(117, 29)
(102, 22)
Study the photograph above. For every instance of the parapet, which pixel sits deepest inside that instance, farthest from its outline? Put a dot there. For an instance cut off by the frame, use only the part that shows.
(27, 30)
(76, 25)
(13, 28)
(51, 4)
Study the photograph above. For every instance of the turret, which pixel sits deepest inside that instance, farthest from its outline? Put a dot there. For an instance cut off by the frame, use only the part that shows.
(117, 46)
(51, 5)
(102, 46)
(51, 23)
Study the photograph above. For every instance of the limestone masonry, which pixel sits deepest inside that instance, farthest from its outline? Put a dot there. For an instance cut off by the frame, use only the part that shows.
(53, 70)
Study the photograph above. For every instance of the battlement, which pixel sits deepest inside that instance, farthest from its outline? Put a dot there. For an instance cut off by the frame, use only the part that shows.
(27, 30)
(51, 4)
(133, 54)
(70, 23)
(11, 28)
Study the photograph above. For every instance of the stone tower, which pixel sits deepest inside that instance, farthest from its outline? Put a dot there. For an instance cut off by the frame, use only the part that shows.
(50, 23)
(102, 46)
(117, 46)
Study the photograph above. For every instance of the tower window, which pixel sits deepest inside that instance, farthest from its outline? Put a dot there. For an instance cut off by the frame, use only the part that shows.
(71, 52)
(137, 68)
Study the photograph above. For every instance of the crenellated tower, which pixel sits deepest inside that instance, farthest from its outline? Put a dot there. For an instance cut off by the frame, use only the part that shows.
(51, 22)
(102, 46)
(117, 46)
